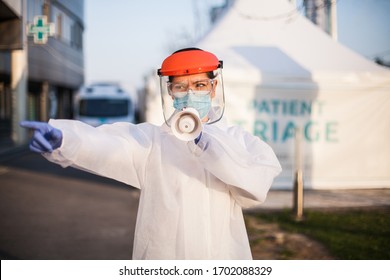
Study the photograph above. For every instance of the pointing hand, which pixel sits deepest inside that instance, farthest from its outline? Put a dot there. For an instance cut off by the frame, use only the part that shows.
(46, 138)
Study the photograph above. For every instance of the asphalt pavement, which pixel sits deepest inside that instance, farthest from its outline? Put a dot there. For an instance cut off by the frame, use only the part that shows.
(49, 213)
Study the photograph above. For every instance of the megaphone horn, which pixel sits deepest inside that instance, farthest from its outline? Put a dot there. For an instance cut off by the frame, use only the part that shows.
(186, 124)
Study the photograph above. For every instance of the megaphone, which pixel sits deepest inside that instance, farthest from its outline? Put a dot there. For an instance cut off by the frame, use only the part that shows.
(186, 124)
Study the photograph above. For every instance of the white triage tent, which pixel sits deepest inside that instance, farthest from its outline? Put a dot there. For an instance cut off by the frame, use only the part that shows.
(283, 74)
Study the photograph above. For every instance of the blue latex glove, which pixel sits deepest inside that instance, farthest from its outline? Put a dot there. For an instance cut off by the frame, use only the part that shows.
(46, 138)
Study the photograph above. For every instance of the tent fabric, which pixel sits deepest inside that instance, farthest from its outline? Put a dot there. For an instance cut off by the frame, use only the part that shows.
(273, 39)
(283, 74)
(292, 85)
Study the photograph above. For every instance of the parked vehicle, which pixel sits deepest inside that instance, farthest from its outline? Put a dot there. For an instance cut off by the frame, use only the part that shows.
(102, 103)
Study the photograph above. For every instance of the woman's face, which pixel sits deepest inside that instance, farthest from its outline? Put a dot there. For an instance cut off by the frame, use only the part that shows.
(194, 82)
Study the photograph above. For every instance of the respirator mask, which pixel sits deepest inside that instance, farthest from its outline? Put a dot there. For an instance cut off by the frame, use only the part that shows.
(192, 93)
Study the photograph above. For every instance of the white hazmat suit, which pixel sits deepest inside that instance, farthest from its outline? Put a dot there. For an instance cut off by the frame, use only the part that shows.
(191, 195)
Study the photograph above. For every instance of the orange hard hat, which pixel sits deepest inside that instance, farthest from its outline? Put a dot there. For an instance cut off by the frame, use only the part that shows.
(189, 61)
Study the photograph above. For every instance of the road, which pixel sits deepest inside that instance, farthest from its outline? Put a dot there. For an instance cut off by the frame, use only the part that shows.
(48, 212)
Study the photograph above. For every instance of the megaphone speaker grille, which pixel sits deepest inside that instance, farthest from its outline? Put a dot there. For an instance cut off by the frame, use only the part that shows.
(186, 125)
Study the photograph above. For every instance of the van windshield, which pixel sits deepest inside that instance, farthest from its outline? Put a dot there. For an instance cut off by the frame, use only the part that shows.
(102, 107)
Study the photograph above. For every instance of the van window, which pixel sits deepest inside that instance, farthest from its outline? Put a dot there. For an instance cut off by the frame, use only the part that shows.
(103, 107)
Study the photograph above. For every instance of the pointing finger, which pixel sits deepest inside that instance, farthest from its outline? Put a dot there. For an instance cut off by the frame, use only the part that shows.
(31, 124)
(41, 140)
(33, 147)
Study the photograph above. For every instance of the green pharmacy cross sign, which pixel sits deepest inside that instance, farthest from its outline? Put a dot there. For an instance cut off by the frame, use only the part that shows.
(40, 29)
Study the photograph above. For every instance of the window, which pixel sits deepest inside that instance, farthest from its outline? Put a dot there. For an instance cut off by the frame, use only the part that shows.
(46, 10)
(104, 107)
(59, 26)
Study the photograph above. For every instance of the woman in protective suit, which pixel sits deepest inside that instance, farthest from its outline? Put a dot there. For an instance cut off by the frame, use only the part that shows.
(195, 172)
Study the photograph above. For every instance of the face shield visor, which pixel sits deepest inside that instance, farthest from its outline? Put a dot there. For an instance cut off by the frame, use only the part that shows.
(202, 92)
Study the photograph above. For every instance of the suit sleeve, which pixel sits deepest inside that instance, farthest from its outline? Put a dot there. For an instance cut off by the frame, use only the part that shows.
(118, 151)
(245, 163)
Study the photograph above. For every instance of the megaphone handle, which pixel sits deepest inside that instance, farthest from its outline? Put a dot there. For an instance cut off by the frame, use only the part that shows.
(197, 139)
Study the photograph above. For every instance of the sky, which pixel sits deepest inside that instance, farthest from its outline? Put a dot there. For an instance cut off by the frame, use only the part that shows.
(125, 40)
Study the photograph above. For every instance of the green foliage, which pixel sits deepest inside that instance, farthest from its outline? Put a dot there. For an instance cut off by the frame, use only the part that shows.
(355, 234)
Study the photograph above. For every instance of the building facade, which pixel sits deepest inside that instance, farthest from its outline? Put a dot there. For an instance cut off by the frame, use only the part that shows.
(55, 70)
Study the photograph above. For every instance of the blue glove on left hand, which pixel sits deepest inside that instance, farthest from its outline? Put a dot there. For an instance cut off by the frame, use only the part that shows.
(46, 138)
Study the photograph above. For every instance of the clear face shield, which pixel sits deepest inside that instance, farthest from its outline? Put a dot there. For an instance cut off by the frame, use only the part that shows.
(201, 93)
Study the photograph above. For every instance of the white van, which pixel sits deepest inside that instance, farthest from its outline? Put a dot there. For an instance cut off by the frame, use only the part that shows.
(102, 103)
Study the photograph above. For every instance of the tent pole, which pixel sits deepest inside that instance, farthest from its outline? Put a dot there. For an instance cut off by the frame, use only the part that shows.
(333, 20)
(298, 178)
